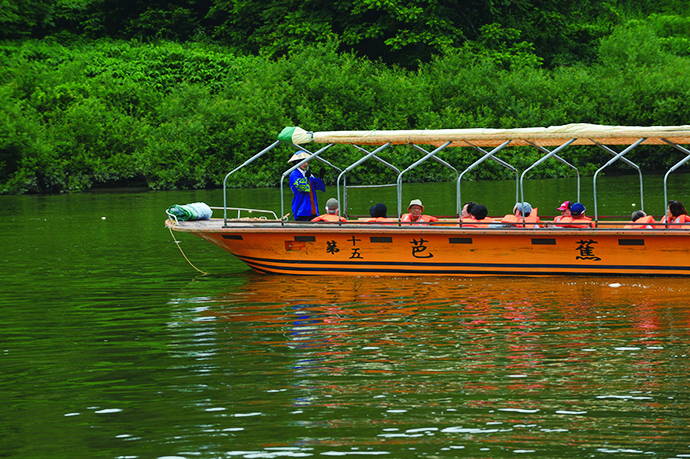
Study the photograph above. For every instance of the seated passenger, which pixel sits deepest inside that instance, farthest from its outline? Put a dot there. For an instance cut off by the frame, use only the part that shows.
(676, 215)
(465, 212)
(515, 219)
(565, 211)
(415, 215)
(577, 218)
(378, 214)
(640, 220)
(477, 218)
(331, 214)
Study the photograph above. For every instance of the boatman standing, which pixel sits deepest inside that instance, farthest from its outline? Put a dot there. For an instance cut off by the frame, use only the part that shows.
(304, 184)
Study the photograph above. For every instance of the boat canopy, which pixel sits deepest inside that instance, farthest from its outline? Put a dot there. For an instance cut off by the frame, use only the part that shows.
(584, 134)
(539, 137)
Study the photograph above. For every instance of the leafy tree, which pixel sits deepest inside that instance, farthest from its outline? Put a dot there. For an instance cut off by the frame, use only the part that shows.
(21, 18)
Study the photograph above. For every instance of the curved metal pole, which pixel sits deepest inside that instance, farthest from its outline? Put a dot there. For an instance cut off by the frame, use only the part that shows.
(577, 172)
(357, 163)
(475, 164)
(611, 161)
(382, 161)
(538, 162)
(415, 164)
(676, 166)
(629, 163)
(506, 165)
(225, 180)
(437, 159)
(282, 177)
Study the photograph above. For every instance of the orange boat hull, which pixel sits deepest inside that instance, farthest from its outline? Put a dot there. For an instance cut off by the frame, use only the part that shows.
(388, 250)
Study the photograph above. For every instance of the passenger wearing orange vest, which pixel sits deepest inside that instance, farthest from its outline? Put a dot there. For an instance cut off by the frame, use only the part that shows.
(577, 218)
(331, 215)
(465, 212)
(477, 218)
(640, 220)
(378, 214)
(415, 216)
(676, 216)
(515, 219)
(565, 211)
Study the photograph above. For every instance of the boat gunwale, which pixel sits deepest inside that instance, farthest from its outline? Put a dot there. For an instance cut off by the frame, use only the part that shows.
(216, 226)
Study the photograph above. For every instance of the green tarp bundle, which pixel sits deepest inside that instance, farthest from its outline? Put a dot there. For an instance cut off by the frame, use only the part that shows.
(194, 211)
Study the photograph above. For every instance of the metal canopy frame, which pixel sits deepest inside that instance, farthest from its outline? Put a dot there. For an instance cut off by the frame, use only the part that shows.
(611, 161)
(630, 163)
(360, 161)
(675, 166)
(428, 155)
(485, 155)
(552, 154)
(477, 163)
(225, 180)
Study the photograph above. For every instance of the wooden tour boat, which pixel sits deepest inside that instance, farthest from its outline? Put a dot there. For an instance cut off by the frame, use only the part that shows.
(444, 248)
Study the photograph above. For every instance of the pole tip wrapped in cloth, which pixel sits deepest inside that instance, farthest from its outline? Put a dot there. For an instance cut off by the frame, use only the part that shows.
(295, 135)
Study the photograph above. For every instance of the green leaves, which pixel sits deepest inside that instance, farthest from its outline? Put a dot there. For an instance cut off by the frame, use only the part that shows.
(181, 116)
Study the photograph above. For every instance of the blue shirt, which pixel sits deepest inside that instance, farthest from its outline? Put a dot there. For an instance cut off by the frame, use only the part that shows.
(304, 201)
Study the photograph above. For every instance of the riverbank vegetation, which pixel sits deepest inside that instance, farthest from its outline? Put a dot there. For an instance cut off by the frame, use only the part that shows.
(174, 99)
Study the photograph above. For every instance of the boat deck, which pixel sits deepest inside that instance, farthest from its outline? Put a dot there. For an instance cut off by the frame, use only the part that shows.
(444, 225)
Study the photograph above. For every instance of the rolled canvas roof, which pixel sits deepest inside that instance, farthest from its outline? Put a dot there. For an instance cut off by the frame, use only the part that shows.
(586, 134)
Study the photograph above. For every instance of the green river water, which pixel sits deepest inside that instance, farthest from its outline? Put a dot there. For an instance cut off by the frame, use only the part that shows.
(112, 346)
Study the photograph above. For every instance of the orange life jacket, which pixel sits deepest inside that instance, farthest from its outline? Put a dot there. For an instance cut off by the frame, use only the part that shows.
(530, 221)
(381, 220)
(577, 222)
(470, 222)
(677, 223)
(642, 223)
(407, 218)
(330, 218)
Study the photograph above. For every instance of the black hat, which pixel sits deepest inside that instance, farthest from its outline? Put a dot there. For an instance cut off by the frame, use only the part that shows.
(379, 210)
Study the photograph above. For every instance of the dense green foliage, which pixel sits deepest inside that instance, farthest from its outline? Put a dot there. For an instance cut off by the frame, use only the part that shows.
(405, 32)
(77, 113)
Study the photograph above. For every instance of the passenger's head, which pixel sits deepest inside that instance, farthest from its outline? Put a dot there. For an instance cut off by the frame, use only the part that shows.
(332, 206)
(467, 209)
(379, 210)
(577, 209)
(637, 215)
(524, 208)
(565, 208)
(676, 208)
(479, 212)
(415, 208)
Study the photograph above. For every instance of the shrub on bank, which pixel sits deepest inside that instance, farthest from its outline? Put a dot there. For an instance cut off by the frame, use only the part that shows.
(181, 116)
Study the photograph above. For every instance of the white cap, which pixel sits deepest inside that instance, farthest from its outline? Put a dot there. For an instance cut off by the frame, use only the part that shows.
(415, 202)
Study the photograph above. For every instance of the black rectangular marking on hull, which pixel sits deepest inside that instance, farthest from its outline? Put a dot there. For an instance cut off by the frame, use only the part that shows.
(236, 237)
(380, 239)
(543, 241)
(630, 241)
(460, 240)
(305, 238)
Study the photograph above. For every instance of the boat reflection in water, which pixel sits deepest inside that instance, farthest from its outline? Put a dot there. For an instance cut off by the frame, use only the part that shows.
(508, 364)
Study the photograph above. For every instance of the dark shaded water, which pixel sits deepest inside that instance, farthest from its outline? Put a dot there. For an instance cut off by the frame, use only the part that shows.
(112, 346)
